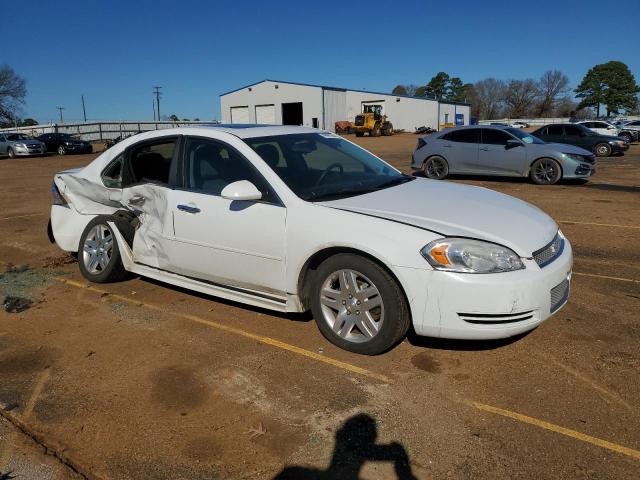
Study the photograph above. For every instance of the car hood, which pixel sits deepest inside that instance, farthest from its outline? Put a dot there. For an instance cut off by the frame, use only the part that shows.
(453, 209)
(563, 148)
(27, 142)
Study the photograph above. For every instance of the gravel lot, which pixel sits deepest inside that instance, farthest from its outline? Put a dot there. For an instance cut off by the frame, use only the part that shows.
(143, 380)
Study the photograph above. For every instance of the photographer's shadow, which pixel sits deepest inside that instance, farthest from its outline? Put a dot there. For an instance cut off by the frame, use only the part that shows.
(355, 446)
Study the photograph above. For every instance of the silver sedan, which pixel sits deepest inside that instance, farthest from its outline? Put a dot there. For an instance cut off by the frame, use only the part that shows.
(20, 145)
(500, 150)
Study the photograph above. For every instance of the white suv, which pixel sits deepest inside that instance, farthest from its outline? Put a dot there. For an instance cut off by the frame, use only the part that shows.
(601, 127)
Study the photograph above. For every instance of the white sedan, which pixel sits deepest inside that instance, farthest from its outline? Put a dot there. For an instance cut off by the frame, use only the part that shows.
(294, 218)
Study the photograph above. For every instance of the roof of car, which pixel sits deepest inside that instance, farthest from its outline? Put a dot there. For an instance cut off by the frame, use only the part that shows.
(239, 130)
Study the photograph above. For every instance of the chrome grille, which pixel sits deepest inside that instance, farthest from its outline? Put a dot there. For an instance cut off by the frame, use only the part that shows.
(549, 252)
(559, 295)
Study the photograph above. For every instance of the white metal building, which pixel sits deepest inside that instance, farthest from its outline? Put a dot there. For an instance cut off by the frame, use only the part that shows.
(288, 103)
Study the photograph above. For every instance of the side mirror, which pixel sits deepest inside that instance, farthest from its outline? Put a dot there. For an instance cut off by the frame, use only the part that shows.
(241, 190)
(513, 144)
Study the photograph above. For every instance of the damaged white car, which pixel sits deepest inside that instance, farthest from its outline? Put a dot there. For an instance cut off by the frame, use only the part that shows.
(294, 218)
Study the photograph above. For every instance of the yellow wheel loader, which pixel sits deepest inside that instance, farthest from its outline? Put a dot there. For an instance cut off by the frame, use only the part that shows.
(372, 121)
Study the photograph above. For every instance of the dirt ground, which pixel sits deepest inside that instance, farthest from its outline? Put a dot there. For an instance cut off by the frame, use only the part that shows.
(140, 380)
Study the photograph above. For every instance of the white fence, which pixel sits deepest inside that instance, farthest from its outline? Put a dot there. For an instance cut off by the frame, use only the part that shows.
(539, 121)
(99, 131)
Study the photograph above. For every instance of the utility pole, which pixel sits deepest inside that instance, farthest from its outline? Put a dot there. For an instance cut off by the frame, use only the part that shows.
(84, 111)
(61, 109)
(154, 110)
(157, 92)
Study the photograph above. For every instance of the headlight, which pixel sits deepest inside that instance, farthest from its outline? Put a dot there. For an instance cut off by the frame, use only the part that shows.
(574, 156)
(20, 145)
(464, 255)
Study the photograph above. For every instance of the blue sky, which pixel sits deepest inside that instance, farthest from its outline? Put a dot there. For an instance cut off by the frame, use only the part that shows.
(114, 52)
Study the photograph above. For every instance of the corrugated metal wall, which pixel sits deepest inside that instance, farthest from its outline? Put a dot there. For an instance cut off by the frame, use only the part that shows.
(335, 108)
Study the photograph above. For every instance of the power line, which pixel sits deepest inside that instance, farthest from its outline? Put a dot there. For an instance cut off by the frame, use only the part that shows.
(158, 95)
(61, 109)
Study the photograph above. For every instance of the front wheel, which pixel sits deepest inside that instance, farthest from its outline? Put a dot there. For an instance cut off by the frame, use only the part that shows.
(359, 134)
(626, 137)
(358, 305)
(11, 153)
(436, 168)
(545, 171)
(98, 254)
(602, 150)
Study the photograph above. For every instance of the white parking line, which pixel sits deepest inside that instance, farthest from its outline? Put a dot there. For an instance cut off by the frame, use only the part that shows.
(23, 216)
(619, 279)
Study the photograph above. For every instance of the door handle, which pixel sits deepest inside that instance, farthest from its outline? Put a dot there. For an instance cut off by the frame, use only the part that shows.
(137, 200)
(484, 149)
(189, 208)
(446, 146)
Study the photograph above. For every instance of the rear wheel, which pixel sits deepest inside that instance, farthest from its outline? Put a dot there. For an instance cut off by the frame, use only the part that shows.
(62, 150)
(358, 305)
(602, 150)
(435, 168)
(11, 153)
(98, 254)
(545, 171)
(359, 134)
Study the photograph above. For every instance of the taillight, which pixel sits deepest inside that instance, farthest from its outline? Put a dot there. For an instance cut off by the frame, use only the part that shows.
(56, 196)
(421, 143)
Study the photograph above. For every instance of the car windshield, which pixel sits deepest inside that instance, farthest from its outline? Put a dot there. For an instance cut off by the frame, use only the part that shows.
(17, 136)
(323, 166)
(524, 136)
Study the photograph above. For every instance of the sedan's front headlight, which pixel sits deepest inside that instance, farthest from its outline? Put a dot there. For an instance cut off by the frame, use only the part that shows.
(464, 255)
(20, 145)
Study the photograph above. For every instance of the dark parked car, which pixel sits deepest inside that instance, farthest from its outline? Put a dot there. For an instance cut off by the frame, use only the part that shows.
(63, 143)
(581, 136)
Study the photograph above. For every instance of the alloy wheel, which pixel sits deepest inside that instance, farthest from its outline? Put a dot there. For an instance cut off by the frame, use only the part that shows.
(546, 171)
(98, 249)
(352, 306)
(435, 168)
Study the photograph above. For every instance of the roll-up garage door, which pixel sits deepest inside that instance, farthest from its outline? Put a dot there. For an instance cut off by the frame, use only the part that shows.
(266, 114)
(239, 114)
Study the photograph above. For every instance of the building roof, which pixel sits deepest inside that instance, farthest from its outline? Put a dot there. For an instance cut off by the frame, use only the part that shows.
(340, 89)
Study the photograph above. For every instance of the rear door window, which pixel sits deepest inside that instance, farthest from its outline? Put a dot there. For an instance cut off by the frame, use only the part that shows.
(554, 130)
(467, 135)
(150, 163)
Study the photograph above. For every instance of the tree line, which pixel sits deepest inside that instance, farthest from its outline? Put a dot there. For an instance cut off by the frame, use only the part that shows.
(610, 84)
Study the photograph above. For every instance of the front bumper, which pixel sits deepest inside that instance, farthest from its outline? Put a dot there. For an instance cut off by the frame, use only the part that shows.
(619, 148)
(491, 306)
(28, 151)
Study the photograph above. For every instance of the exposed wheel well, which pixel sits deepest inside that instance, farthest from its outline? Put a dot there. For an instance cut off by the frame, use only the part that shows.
(305, 278)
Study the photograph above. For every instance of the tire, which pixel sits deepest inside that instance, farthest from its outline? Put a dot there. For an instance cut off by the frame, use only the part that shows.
(387, 129)
(545, 171)
(435, 167)
(626, 137)
(602, 150)
(62, 150)
(105, 264)
(367, 331)
(11, 153)
(359, 134)
(375, 131)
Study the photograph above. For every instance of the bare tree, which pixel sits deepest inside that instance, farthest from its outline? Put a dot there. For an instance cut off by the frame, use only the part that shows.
(12, 92)
(520, 96)
(552, 85)
(486, 98)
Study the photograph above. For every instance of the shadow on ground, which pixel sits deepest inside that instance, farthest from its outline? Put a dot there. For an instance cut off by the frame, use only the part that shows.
(355, 446)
